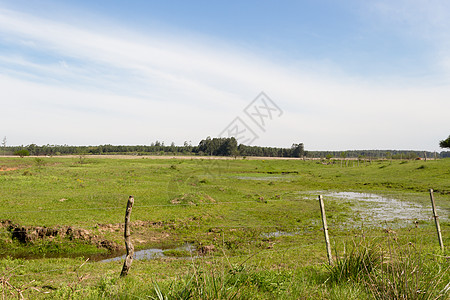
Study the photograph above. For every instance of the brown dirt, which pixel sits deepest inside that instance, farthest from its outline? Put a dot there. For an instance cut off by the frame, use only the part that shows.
(5, 169)
(30, 234)
(207, 249)
(141, 233)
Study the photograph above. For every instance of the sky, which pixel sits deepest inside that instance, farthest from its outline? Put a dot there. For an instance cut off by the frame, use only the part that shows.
(334, 75)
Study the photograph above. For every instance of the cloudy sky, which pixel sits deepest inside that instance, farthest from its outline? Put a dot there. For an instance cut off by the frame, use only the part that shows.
(343, 74)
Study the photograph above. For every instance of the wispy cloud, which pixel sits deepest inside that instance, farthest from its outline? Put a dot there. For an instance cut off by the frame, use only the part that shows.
(82, 85)
(426, 20)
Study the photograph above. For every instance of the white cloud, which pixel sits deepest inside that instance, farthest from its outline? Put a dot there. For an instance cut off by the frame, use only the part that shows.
(97, 86)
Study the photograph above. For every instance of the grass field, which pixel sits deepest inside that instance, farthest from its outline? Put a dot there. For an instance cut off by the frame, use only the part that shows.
(255, 226)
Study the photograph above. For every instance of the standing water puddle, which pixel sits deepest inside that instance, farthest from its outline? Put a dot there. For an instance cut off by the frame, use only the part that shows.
(154, 253)
(374, 209)
(278, 234)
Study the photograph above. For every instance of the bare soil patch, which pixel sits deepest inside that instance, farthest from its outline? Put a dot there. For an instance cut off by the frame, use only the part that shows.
(30, 234)
(5, 169)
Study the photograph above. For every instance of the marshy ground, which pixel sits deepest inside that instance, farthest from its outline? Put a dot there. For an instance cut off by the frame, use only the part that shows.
(252, 227)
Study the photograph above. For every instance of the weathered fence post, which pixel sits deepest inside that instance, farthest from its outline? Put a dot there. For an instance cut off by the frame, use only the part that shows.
(325, 229)
(128, 245)
(436, 220)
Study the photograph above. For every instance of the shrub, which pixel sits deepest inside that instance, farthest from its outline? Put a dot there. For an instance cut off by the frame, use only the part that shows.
(22, 153)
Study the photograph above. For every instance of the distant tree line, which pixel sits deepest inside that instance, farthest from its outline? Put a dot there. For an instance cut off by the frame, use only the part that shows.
(297, 150)
(209, 147)
(378, 154)
(215, 147)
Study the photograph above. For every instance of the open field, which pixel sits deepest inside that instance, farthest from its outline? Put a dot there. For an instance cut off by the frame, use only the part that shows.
(252, 227)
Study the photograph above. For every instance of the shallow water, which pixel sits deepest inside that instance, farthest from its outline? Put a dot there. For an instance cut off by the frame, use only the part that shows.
(382, 208)
(152, 253)
(375, 209)
(279, 233)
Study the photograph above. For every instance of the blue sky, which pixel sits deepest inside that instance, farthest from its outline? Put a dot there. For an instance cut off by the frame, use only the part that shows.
(346, 74)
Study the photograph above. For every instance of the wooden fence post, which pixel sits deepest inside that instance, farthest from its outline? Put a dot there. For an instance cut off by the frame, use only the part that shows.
(436, 220)
(325, 229)
(128, 245)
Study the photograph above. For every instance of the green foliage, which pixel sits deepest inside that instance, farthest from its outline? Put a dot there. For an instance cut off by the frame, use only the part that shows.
(445, 143)
(22, 153)
(219, 146)
(298, 150)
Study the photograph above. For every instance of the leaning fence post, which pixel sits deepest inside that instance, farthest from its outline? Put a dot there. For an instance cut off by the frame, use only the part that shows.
(128, 245)
(436, 220)
(325, 229)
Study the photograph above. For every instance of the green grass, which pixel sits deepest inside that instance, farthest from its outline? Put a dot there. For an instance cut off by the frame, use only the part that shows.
(256, 225)
(106, 183)
(401, 271)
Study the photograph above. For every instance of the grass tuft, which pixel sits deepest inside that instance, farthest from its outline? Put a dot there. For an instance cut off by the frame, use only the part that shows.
(361, 260)
(402, 272)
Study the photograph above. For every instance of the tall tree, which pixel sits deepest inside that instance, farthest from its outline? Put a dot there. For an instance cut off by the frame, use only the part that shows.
(445, 143)
(4, 145)
(298, 150)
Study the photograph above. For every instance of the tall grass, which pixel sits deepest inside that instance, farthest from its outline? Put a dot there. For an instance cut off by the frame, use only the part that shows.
(402, 271)
(407, 273)
(233, 282)
(361, 260)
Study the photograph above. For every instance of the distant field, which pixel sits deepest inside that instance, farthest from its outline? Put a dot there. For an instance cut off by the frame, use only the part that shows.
(253, 220)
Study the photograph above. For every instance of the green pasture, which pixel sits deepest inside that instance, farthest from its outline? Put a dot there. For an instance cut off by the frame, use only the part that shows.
(255, 224)
(49, 191)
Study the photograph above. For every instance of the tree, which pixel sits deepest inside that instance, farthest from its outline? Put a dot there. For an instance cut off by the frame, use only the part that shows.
(22, 153)
(4, 145)
(445, 143)
(219, 146)
(343, 156)
(388, 155)
(298, 150)
(228, 147)
(187, 147)
(172, 148)
(32, 149)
